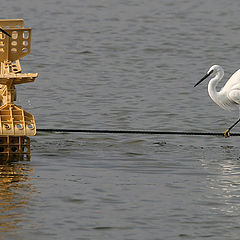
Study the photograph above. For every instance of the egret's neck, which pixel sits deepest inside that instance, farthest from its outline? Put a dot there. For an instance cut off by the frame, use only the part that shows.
(213, 93)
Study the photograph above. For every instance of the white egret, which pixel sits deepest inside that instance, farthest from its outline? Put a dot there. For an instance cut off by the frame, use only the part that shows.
(229, 96)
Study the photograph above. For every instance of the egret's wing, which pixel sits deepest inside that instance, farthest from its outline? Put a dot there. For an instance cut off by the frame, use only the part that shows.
(234, 94)
(235, 87)
(233, 80)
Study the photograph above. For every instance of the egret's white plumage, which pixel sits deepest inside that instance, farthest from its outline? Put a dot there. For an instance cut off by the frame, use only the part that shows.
(229, 96)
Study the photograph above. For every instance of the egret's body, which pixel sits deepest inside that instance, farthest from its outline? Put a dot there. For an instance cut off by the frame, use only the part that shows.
(229, 96)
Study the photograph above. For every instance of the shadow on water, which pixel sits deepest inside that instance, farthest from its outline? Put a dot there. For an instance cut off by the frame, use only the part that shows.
(15, 193)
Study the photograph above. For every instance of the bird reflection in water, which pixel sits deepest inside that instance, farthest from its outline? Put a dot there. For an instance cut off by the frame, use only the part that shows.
(15, 192)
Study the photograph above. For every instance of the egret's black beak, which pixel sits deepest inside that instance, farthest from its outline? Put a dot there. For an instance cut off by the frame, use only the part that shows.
(207, 75)
(3, 31)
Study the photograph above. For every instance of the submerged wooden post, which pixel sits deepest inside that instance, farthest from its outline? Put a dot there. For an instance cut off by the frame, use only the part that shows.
(16, 124)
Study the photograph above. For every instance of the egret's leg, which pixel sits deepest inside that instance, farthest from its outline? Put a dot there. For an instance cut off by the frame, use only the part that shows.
(227, 132)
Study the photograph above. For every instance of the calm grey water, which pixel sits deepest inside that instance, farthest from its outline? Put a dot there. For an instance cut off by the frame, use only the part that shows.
(125, 64)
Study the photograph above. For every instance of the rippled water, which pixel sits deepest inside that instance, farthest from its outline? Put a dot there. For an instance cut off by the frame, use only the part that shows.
(125, 64)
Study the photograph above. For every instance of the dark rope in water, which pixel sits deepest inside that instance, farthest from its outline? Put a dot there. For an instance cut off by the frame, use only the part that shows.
(149, 132)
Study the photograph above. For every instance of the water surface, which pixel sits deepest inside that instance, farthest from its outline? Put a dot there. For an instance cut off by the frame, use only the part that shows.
(125, 64)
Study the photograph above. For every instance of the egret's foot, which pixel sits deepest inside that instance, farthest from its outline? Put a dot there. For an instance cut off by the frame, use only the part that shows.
(226, 133)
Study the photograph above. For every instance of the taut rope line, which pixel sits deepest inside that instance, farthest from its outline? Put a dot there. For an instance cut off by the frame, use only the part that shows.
(146, 132)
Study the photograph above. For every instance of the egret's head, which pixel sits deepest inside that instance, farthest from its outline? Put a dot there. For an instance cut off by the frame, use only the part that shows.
(212, 70)
(215, 69)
